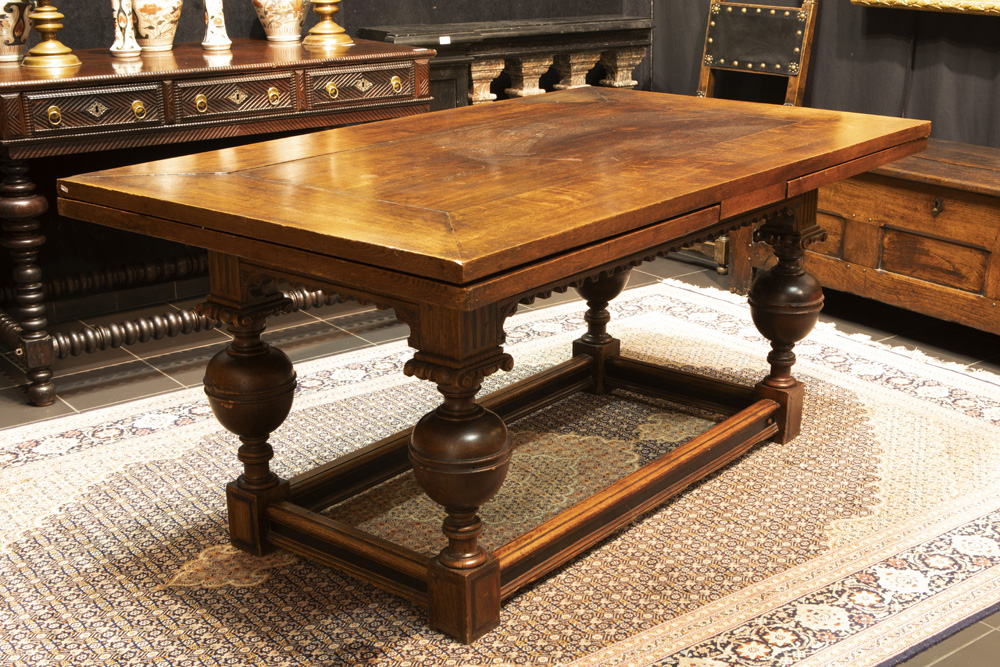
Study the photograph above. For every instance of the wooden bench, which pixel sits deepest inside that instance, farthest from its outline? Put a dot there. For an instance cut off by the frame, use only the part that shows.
(921, 233)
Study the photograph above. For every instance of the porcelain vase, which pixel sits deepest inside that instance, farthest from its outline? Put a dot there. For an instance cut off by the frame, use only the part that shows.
(216, 38)
(282, 19)
(125, 45)
(156, 23)
(13, 29)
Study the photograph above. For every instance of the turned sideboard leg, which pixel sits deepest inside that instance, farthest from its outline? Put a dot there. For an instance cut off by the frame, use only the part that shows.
(597, 342)
(785, 302)
(20, 211)
(460, 452)
(250, 386)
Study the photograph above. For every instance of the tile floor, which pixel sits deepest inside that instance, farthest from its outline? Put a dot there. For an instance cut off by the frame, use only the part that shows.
(114, 376)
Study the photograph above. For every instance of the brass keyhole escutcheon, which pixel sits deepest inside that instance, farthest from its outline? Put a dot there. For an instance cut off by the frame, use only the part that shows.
(201, 103)
(273, 96)
(397, 84)
(332, 90)
(55, 116)
(139, 109)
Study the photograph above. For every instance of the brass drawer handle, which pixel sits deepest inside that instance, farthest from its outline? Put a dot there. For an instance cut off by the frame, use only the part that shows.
(397, 84)
(332, 90)
(55, 116)
(273, 96)
(139, 109)
(201, 103)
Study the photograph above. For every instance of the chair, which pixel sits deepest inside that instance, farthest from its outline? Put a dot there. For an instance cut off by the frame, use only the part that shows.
(769, 42)
(759, 39)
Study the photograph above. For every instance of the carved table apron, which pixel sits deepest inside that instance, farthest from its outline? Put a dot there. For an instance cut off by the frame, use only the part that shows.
(452, 219)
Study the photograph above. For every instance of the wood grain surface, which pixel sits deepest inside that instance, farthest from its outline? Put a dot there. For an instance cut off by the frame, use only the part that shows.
(463, 194)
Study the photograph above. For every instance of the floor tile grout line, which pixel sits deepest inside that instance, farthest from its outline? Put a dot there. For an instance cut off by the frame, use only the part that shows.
(957, 649)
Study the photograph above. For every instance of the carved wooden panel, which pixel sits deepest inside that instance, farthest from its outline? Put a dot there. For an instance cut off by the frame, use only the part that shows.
(62, 111)
(219, 98)
(337, 86)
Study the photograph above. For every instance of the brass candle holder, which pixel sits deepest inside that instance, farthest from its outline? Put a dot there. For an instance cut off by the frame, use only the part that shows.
(49, 53)
(326, 34)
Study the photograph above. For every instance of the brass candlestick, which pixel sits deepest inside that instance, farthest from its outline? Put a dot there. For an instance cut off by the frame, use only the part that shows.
(49, 52)
(326, 34)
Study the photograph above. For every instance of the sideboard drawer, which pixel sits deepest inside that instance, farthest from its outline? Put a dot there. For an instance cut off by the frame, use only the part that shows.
(219, 99)
(342, 85)
(104, 108)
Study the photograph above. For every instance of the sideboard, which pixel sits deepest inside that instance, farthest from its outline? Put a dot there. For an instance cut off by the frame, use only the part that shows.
(184, 96)
(472, 56)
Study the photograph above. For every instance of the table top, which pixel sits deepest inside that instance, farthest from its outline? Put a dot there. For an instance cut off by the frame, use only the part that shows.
(461, 195)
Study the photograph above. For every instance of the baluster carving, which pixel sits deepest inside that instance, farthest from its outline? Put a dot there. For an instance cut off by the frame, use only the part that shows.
(483, 73)
(525, 73)
(574, 67)
(619, 65)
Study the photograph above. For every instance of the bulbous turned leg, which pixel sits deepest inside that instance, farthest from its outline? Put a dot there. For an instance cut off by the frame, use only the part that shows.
(597, 342)
(460, 452)
(250, 386)
(20, 211)
(785, 303)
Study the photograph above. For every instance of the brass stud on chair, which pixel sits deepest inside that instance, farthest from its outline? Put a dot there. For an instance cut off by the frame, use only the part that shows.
(49, 53)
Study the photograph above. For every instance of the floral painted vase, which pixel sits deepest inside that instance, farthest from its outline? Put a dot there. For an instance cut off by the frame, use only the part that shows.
(125, 45)
(282, 19)
(156, 23)
(13, 29)
(216, 38)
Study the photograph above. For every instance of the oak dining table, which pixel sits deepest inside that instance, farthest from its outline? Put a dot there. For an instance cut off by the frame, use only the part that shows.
(453, 219)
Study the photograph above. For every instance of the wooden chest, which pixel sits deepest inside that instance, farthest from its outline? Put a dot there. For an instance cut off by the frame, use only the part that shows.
(922, 233)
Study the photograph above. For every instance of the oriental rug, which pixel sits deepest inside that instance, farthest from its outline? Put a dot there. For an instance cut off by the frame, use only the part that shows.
(869, 537)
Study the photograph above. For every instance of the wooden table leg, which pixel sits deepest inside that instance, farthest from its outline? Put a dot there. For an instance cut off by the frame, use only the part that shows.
(20, 211)
(460, 452)
(597, 342)
(250, 386)
(785, 302)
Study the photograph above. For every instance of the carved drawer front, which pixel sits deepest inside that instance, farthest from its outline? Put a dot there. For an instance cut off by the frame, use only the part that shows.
(98, 108)
(342, 85)
(215, 99)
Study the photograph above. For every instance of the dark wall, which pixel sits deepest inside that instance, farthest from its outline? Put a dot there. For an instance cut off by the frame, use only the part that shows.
(941, 67)
(90, 28)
